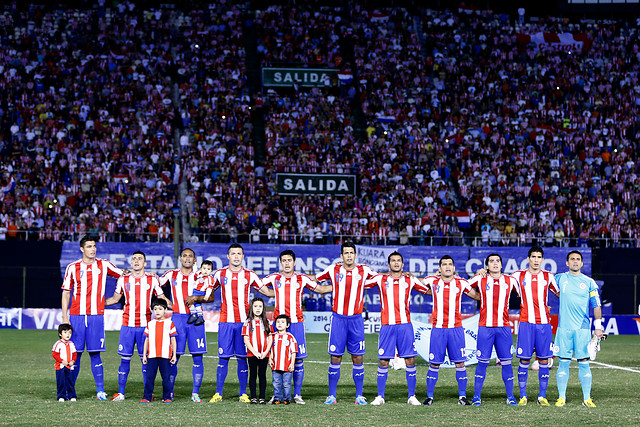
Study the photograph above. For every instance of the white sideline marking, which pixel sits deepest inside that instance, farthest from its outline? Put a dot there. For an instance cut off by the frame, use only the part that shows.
(616, 367)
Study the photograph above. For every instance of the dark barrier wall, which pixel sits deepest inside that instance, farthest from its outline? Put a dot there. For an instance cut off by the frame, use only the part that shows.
(37, 265)
(34, 264)
(619, 268)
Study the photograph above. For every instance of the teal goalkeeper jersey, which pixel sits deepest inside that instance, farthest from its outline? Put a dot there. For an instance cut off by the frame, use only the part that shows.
(577, 294)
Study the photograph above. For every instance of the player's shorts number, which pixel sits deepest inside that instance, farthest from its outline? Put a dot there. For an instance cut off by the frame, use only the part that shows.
(462, 351)
(101, 342)
(301, 348)
(200, 342)
(361, 345)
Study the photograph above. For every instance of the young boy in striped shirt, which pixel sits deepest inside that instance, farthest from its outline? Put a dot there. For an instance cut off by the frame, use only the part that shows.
(64, 352)
(282, 360)
(159, 352)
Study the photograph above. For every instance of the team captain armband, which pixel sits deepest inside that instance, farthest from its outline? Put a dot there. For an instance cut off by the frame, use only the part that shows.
(594, 298)
(593, 294)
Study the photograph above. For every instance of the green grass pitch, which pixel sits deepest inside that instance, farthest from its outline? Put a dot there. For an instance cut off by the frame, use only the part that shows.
(27, 392)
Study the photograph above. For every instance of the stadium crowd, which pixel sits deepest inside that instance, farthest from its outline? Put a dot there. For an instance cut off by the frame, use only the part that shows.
(468, 134)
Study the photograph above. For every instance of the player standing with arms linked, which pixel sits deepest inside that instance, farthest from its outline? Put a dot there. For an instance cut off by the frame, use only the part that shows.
(494, 328)
(534, 330)
(289, 287)
(396, 330)
(347, 324)
(577, 293)
(447, 334)
(83, 287)
(138, 288)
(182, 282)
(236, 283)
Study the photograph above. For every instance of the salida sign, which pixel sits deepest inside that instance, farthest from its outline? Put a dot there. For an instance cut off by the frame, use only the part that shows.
(287, 77)
(290, 184)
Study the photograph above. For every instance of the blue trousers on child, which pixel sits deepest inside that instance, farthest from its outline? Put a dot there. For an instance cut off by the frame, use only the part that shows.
(65, 380)
(282, 385)
(153, 364)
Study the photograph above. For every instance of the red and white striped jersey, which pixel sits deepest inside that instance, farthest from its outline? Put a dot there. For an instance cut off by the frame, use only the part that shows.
(63, 351)
(447, 300)
(87, 283)
(348, 287)
(534, 292)
(494, 299)
(137, 292)
(283, 350)
(236, 286)
(288, 292)
(205, 284)
(182, 286)
(254, 329)
(159, 333)
(395, 296)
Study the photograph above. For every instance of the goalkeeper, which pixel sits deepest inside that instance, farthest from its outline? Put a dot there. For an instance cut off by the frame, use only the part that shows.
(577, 293)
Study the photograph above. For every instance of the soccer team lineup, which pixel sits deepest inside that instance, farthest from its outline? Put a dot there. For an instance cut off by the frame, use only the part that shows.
(245, 332)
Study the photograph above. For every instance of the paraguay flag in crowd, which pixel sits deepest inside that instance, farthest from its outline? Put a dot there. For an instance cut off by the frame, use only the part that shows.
(566, 42)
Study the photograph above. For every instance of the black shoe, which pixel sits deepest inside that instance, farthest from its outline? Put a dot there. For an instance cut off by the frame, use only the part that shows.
(192, 318)
(253, 401)
(463, 401)
(199, 321)
(262, 401)
(428, 401)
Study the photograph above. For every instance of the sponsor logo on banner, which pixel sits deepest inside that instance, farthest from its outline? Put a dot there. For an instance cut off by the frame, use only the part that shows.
(422, 333)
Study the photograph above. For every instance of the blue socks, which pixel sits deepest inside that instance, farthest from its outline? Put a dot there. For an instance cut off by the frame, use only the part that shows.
(173, 372)
(298, 376)
(481, 374)
(523, 374)
(123, 373)
(334, 377)
(562, 377)
(358, 378)
(198, 372)
(97, 371)
(243, 374)
(584, 374)
(461, 377)
(76, 368)
(543, 377)
(432, 379)
(411, 380)
(507, 377)
(382, 380)
(221, 374)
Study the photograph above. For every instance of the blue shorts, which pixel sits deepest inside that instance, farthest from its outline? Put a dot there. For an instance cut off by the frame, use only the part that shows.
(128, 337)
(87, 329)
(500, 337)
(199, 294)
(449, 340)
(194, 336)
(230, 341)
(394, 337)
(570, 341)
(533, 337)
(346, 331)
(297, 330)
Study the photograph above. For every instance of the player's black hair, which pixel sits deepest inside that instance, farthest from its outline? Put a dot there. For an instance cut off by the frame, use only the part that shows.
(188, 249)
(263, 316)
(445, 257)
(348, 245)
(207, 262)
(287, 252)
(235, 246)
(394, 253)
(486, 260)
(64, 327)
(575, 252)
(88, 238)
(535, 249)
(140, 253)
(158, 301)
(285, 317)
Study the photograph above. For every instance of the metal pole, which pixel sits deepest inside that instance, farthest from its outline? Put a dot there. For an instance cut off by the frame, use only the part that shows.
(176, 237)
(24, 287)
